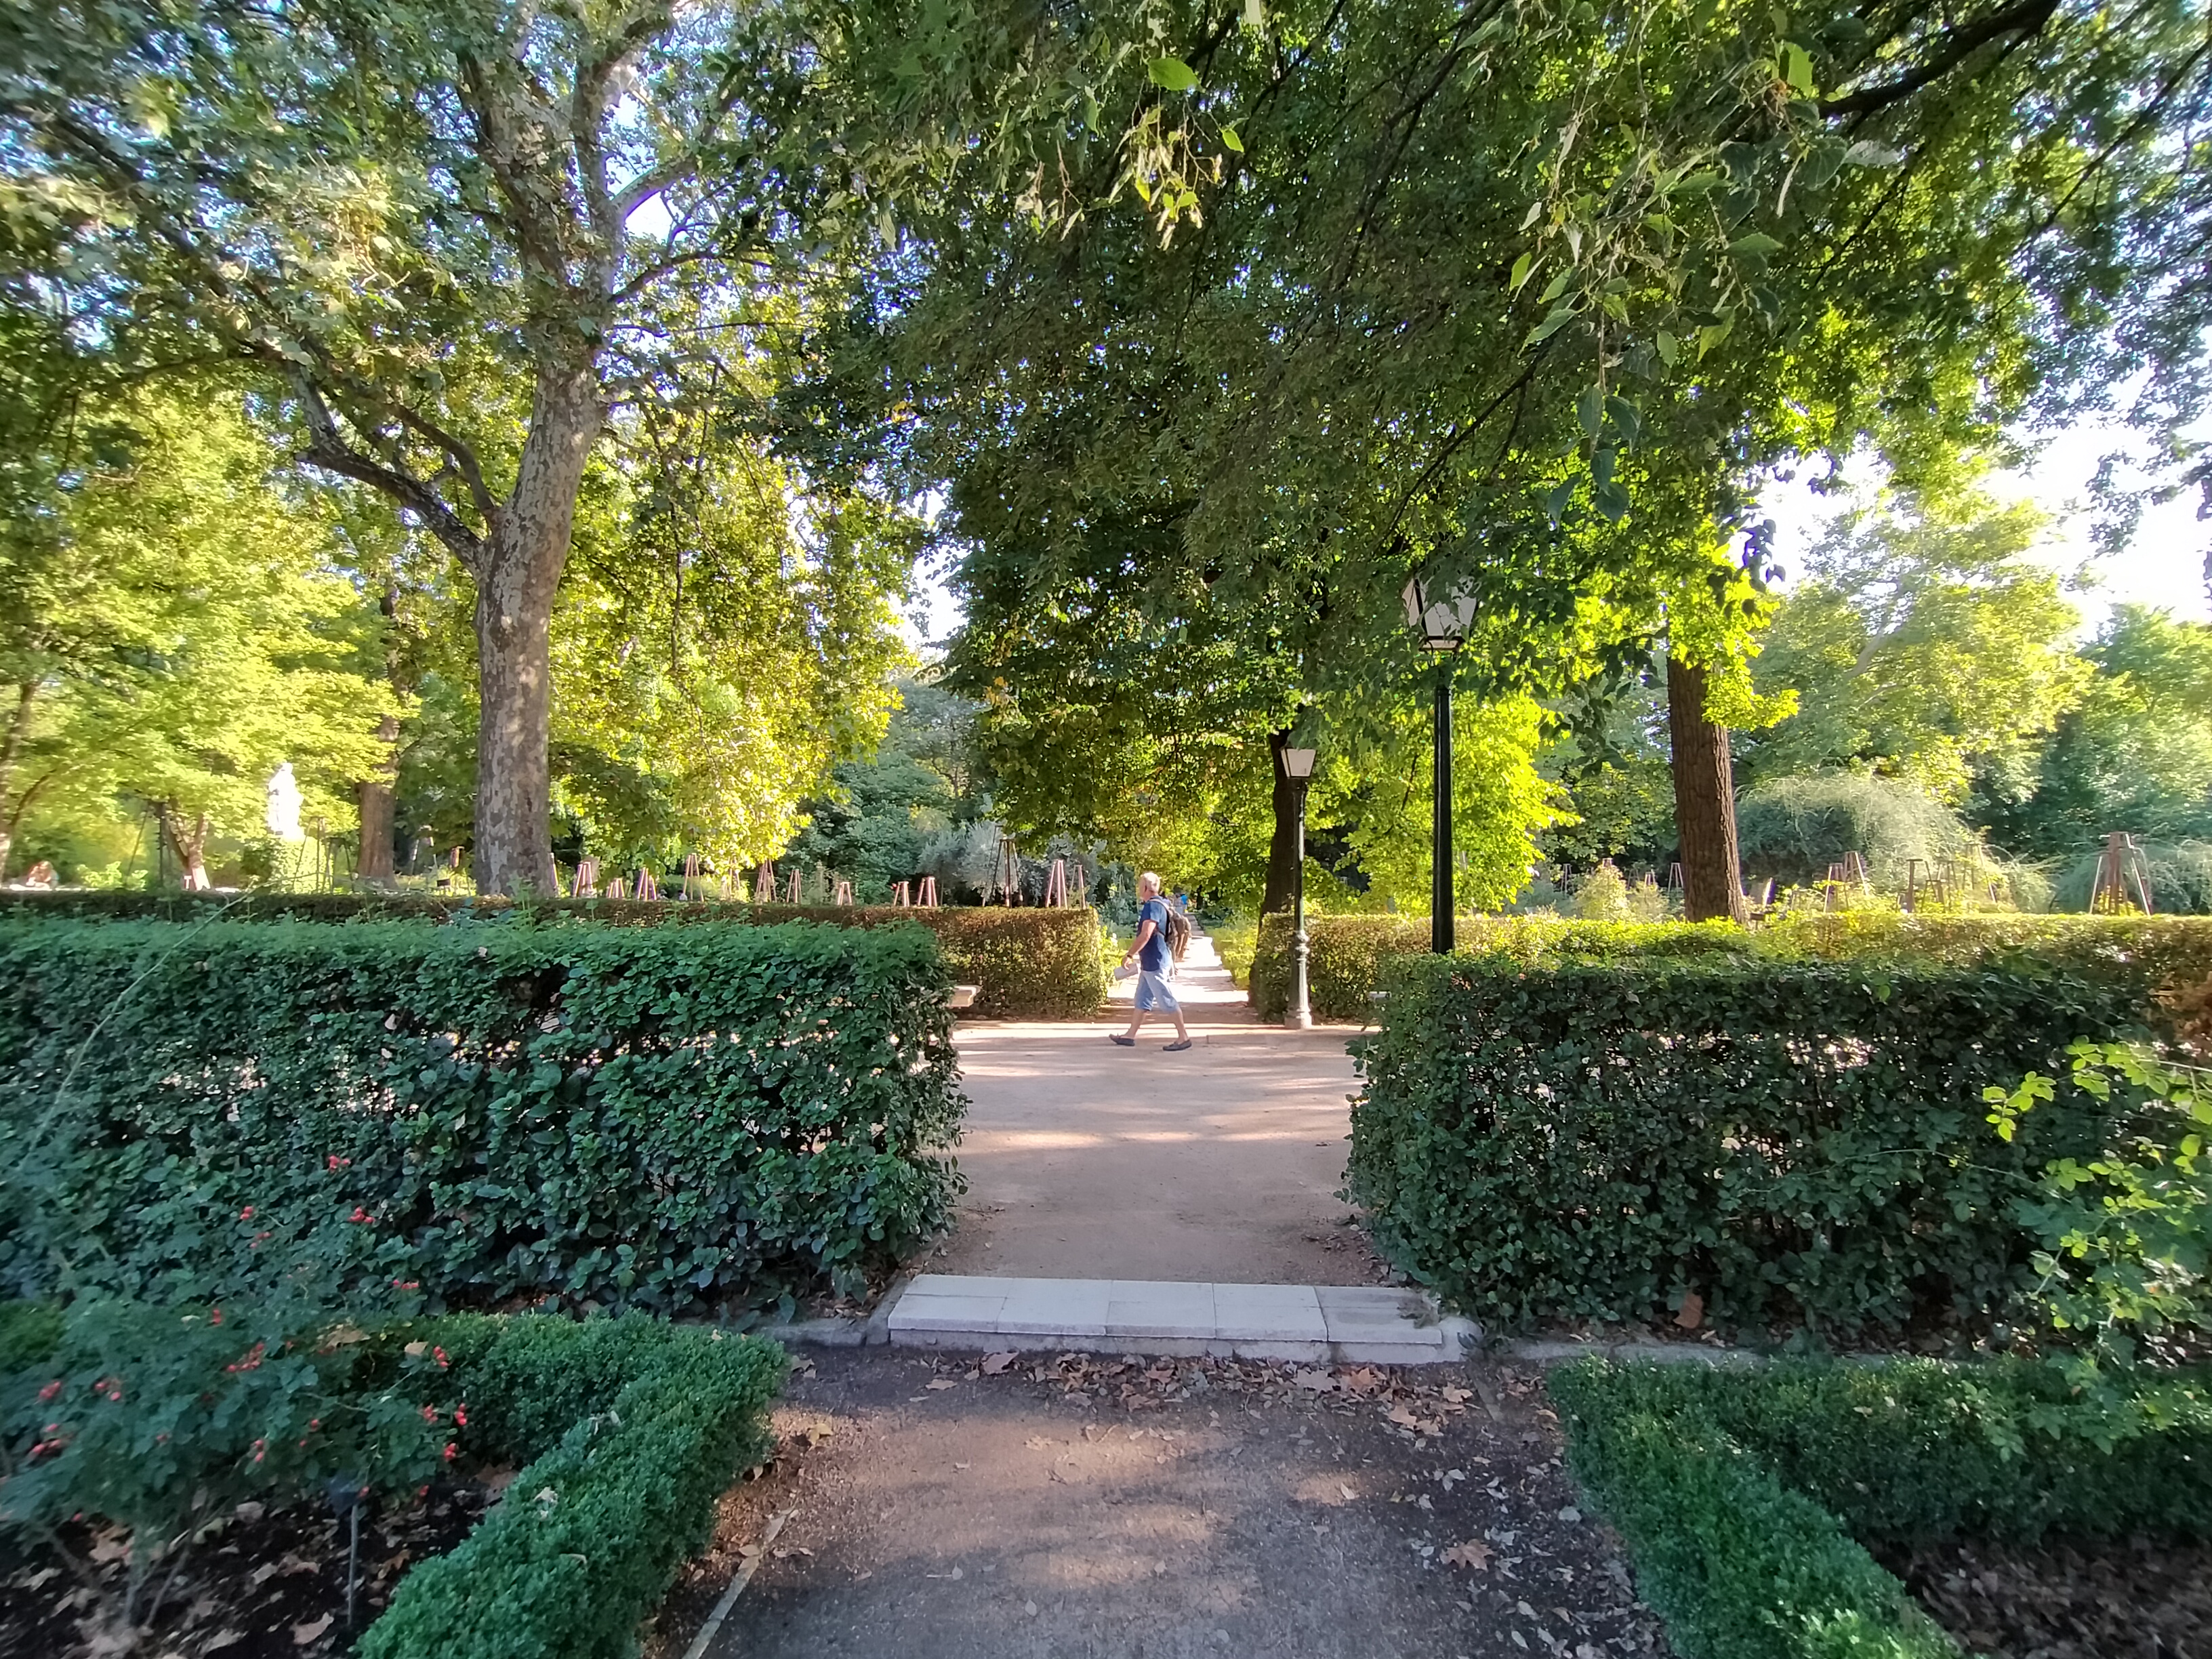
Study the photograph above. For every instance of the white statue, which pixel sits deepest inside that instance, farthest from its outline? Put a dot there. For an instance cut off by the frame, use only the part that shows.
(284, 799)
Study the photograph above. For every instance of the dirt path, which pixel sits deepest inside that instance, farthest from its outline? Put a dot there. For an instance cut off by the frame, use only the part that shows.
(1107, 1508)
(1090, 1161)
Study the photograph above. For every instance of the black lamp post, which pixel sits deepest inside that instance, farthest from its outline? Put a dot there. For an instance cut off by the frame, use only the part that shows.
(1297, 768)
(1441, 620)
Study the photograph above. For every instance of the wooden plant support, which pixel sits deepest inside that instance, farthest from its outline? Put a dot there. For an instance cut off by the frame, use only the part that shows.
(586, 883)
(695, 885)
(764, 885)
(617, 890)
(794, 893)
(647, 887)
(844, 893)
(1911, 884)
(1055, 886)
(901, 895)
(928, 899)
(2120, 863)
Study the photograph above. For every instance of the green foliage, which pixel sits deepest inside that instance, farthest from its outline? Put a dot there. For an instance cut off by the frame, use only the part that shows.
(1793, 828)
(174, 631)
(1738, 1565)
(2178, 873)
(632, 1430)
(1921, 642)
(2147, 952)
(1030, 963)
(2135, 755)
(1740, 1490)
(1790, 1140)
(878, 823)
(163, 1419)
(29, 1334)
(666, 1117)
(2126, 1234)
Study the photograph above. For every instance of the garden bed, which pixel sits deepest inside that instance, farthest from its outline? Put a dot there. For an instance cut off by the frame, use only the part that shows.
(1771, 1512)
(2066, 1599)
(191, 1457)
(271, 1584)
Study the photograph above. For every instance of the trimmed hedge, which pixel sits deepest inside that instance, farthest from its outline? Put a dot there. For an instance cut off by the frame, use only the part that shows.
(1028, 963)
(667, 1118)
(1348, 956)
(1743, 1492)
(631, 1430)
(1801, 1142)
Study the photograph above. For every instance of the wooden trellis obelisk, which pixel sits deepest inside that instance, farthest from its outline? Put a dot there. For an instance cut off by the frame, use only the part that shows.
(587, 879)
(695, 885)
(764, 885)
(900, 894)
(2120, 866)
(928, 900)
(844, 894)
(647, 888)
(794, 892)
(1055, 886)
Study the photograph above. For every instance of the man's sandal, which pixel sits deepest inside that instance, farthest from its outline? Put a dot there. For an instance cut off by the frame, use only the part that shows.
(1124, 1041)
(1179, 1043)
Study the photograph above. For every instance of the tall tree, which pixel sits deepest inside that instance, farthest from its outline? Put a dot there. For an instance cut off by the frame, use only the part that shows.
(186, 635)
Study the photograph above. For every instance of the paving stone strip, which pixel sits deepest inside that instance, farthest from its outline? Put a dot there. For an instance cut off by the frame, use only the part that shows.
(1356, 1323)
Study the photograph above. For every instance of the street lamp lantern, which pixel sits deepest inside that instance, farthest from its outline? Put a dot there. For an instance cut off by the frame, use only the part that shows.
(1442, 621)
(1298, 766)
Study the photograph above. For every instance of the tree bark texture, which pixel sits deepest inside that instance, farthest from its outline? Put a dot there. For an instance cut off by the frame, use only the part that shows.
(518, 574)
(1704, 800)
(1283, 844)
(11, 751)
(376, 859)
(190, 846)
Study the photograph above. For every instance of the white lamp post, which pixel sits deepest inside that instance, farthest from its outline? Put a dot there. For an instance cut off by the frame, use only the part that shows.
(1297, 770)
(1442, 622)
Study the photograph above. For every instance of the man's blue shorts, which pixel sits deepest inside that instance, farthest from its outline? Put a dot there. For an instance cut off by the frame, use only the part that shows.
(1154, 995)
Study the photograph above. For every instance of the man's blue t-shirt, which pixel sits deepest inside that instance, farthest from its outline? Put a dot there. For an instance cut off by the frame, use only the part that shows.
(1154, 957)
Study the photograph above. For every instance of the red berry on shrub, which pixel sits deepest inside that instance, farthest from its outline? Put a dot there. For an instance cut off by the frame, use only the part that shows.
(247, 1214)
(51, 1390)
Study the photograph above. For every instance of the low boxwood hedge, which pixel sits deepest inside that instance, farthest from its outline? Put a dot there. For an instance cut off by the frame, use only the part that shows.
(1348, 957)
(1746, 1495)
(630, 1431)
(1796, 1142)
(665, 1117)
(1028, 964)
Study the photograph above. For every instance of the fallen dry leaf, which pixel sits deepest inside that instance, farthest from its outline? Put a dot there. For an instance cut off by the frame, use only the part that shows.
(221, 1639)
(1473, 1554)
(1366, 1380)
(960, 1466)
(251, 1511)
(115, 1549)
(993, 1364)
(1693, 1311)
(1316, 1382)
(303, 1634)
(943, 1382)
(1456, 1396)
(1402, 1418)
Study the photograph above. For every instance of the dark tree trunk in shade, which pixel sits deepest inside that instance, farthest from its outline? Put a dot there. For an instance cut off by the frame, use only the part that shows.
(1704, 800)
(376, 863)
(1283, 845)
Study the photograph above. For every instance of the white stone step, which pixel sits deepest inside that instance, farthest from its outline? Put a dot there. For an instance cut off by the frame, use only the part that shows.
(1351, 1323)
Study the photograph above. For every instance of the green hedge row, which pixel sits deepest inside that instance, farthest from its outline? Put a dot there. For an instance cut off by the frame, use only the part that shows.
(630, 1430)
(1348, 956)
(1028, 964)
(1793, 1141)
(668, 1118)
(1744, 1494)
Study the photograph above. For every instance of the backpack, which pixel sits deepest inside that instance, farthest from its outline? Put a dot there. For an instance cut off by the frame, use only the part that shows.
(1178, 932)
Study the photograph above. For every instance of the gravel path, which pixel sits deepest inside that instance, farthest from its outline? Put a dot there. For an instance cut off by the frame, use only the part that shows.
(1090, 1506)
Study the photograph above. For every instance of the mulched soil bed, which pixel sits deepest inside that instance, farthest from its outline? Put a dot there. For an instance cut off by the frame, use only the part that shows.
(269, 1585)
(2068, 1599)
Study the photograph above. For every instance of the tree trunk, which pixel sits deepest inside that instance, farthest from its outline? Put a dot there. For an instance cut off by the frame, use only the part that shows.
(520, 572)
(375, 862)
(1283, 845)
(1704, 800)
(191, 848)
(11, 751)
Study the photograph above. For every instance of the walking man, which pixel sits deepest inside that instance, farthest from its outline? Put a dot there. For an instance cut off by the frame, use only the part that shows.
(1150, 953)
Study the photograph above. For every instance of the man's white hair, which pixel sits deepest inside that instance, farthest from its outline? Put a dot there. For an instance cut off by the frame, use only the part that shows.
(1149, 880)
